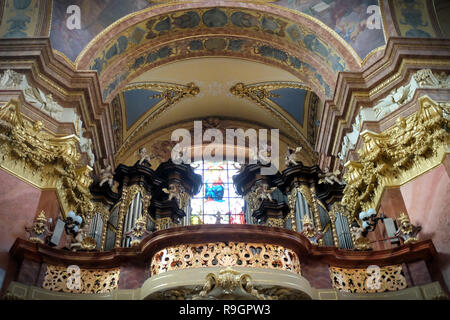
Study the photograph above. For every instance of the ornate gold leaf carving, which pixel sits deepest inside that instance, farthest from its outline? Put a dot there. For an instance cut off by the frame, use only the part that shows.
(409, 148)
(43, 159)
(368, 280)
(92, 280)
(225, 254)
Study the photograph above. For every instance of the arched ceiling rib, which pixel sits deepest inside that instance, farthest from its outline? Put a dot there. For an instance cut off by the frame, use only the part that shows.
(305, 47)
(286, 104)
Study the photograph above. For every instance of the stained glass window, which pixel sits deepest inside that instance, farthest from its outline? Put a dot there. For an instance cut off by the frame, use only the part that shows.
(217, 200)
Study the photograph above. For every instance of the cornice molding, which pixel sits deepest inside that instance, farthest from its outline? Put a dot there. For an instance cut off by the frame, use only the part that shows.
(424, 250)
(78, 89)
(402, 57)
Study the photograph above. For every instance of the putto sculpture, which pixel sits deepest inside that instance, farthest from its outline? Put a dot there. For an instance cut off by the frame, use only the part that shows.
(144, 157)
(175, 191)
(359, 234)
(107, 174)
(263, 192)
(330, 177)
(78, 238)
(292, 157)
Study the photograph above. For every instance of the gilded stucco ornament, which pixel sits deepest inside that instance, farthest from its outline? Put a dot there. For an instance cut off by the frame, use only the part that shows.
(228, 283)
(310, 232)
(78, 280)
(44, 160)
(39, 232)
(138, 232)
(407, 231)
(231, 254)
(368, 280)
(391, 158)
(260, 93)
(398, 97)
(360, 240)
(12, 80)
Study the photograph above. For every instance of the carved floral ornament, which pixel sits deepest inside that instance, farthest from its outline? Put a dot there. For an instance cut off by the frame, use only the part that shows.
(44, 160)
(75, 280)
(404, 151)
(368, 280)
(225, 254)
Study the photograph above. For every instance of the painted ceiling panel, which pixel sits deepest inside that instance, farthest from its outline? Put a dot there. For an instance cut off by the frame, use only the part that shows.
(138, 102)
(345, 17)
(291, 100)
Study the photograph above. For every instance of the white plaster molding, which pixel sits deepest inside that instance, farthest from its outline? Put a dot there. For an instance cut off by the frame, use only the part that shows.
(398, 97)
(11, 80)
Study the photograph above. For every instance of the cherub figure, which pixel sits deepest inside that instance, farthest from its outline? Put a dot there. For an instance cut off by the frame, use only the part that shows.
(292, 156)
(362, 243)
(39, 232)
(407, 231)
(175, 192)
(264, 192)
(138, 232)
(330, 177)
(144, 157)
(310, 232)
(107, 174)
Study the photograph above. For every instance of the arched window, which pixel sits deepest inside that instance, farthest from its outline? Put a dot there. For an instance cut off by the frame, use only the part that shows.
(217, 200)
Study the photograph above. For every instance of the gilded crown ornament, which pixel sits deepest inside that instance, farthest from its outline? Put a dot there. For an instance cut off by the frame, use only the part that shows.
(407, 231)
(310, 232)
(138, 232)
(39, 231)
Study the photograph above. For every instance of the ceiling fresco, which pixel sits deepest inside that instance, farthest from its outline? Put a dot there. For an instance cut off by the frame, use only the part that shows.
(346, 17)
(219, 46)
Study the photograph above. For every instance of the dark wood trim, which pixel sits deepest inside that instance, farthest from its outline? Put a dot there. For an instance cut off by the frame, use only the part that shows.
(23, 249)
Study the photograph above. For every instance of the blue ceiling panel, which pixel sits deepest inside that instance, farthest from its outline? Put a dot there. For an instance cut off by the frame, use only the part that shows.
(292, 100)
(138, 102)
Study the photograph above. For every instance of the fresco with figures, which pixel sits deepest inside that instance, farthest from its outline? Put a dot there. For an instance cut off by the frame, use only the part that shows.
(346, 17)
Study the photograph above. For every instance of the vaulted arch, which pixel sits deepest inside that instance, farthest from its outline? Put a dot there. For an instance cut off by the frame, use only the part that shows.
(291, 40)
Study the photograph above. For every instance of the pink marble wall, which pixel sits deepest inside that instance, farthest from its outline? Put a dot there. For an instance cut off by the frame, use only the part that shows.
(18, 203)
(317, 273)
(133, 275)
(427, 201)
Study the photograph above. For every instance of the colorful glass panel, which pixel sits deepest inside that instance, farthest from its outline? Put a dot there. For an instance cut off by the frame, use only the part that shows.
(217, 202)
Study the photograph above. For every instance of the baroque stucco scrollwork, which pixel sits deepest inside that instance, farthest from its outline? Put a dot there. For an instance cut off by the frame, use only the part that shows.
(12, 80)
(404, 151)
(228, 283)
(44, 160)
(398, 97)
